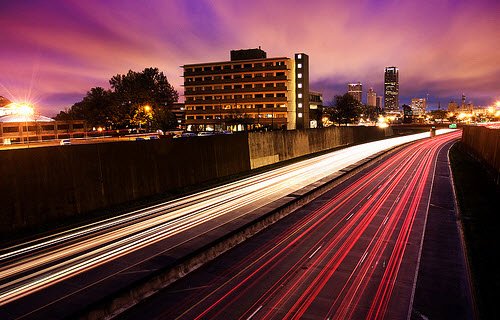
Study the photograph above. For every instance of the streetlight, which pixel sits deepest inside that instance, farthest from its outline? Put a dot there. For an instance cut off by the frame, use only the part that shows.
(25, 110)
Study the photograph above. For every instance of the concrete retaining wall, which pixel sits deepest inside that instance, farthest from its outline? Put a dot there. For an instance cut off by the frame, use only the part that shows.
(485, 144)
(47, 184)
(270, 147)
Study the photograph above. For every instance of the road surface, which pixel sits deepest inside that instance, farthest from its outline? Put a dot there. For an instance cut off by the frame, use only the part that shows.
(80, 266)
(354, 253)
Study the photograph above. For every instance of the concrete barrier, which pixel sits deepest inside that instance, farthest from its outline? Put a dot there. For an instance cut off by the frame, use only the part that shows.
(48, 185)
(484, 143)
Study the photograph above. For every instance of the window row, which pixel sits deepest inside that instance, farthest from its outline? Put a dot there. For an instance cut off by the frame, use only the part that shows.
(238, 86)
(232, 116)
(236, 66)
(237, 96)
(235, 76)
(237, 106)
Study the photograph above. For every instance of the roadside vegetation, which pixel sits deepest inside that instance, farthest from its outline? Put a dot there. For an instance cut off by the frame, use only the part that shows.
(478, 199)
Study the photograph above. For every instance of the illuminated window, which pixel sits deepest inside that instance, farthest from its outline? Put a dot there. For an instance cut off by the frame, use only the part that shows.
(299, 65)
(299, 75)
(300, 114)
(299, 95)
(300, 105)
(299, 56)
(299, 85)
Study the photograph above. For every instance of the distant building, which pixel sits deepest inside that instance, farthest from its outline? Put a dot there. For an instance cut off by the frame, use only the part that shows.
(371, 98)
(418, 106)
(179, 110)
(452, 106)
(4, 101)
(391, 89)
(250, 91)
(355, 90)
(17, 127)
(315, 109)
(380, 103)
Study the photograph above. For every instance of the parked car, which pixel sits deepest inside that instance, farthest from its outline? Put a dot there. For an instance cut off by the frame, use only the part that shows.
(205, 133)
(65, 142)
(188, 134)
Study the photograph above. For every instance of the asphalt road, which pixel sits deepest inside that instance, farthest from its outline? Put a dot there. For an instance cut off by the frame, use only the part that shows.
(354, 253)
(55, 276)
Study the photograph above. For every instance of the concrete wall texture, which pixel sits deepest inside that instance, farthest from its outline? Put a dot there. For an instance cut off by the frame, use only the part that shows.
(271, 147)
(48, 184)
(484, 143)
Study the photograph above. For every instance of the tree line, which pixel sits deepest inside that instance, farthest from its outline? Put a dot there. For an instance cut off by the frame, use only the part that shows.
(135, 99)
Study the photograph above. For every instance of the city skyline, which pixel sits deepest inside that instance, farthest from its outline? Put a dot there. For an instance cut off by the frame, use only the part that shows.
(54, 52)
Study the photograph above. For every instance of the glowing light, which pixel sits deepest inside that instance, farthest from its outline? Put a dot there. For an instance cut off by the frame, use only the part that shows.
(147, 108)
(497, 104)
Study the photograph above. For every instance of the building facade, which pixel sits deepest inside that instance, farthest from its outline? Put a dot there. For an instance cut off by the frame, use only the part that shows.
(355, 90)
(418, 106)
(371, 98)
(391, 89)
(248, 92)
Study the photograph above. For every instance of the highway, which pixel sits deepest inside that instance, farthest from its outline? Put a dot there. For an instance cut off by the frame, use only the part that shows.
(351, 254)
(31, 270)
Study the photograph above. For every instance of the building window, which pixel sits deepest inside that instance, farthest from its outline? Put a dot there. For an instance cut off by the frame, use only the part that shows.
(300, 114)
(299, 56)
(300, 105)
(299, 85)
(299, 75)
(269, 95)
(299, 65)
(299, 95)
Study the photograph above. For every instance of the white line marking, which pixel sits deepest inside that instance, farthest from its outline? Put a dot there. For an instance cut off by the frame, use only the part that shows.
(385, 220)
(363, 257)
(314, 252)
(349, 217)
(258, 309)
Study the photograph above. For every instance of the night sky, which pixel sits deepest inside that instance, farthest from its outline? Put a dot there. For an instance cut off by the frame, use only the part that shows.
(53, 52)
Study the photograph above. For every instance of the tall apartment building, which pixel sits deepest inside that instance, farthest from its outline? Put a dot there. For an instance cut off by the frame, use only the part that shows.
(371, 98)
(250, 91)
(355, 90)
(391, 89)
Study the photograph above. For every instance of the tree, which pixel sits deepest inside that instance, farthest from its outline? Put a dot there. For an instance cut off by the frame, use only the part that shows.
(345, 109)
(95, 108)
(135, 90)
(134, 100)
(164, 119)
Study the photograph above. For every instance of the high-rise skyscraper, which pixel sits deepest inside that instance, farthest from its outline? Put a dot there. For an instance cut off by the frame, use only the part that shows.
(371, 98)
(355, 90)
(391, 89)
